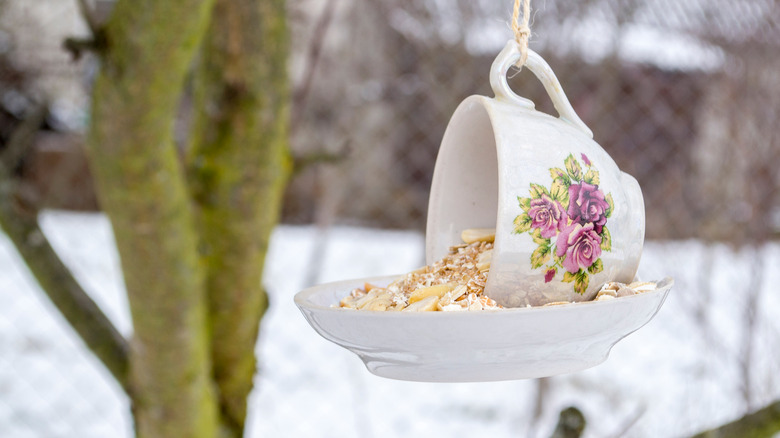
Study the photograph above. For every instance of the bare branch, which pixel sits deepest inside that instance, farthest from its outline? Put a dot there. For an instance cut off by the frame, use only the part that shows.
(78, 46)
(19, 221)
(89, 17)
(631, 421)
(542, 390)
(95, 42)
(313, 57)
(304, 161)
(20, 140)
(750, 322)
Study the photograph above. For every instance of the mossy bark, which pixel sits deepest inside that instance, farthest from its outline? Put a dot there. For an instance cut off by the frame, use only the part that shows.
(141, 185)
(238, 165)
(762, 423)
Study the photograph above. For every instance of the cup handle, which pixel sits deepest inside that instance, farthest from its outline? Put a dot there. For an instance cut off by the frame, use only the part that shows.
(508, 57)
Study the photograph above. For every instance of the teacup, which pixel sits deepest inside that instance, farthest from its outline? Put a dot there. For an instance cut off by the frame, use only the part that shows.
(567, 219)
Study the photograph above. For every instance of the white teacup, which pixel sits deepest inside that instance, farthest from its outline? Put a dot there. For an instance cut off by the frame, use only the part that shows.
(567, 219)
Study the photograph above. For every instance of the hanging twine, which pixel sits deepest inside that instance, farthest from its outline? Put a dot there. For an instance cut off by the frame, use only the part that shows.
(521, 30)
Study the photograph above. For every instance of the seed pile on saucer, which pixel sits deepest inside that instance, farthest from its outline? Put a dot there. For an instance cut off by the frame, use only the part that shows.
(455, 283)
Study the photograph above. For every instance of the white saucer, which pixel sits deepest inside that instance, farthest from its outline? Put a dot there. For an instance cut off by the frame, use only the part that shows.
(477, 346)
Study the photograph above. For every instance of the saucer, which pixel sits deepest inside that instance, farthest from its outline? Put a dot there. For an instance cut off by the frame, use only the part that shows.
(477, 346)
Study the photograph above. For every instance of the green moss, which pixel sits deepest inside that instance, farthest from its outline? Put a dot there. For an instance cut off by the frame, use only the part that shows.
(239, 163)
(762, 423)
(142, 188)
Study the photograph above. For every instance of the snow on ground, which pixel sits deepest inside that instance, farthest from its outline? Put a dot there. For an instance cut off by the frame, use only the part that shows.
(682, 372)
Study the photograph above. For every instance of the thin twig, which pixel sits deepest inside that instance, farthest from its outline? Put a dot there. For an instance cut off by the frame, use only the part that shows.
(542, 389)
(632, 420)
(95, 42)
(89, 18)
(314, 52)
(304, 161)
(750, 318)
(78, 46)
(21, 225)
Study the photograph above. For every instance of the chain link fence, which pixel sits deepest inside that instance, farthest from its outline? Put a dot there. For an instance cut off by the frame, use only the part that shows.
(684, 95)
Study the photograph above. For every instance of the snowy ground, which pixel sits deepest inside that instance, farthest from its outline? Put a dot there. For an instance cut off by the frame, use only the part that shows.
(686, 370)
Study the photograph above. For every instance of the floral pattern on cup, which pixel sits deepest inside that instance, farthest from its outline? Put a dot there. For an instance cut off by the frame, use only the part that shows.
(568, 222)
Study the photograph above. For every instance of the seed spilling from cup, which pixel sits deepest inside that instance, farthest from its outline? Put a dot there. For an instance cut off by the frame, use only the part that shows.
(456, 283)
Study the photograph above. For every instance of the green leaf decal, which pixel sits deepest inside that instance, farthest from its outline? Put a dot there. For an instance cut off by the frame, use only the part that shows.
(581, 281)
(540, 256)
(537, 191)
(568, 277)
(538, 239)
(606, 240)
(611, 203)
(573, 168)
(525, 203)
(560, 192)
(557, 172)
(522, 223)
(592, 176)
(596, 267)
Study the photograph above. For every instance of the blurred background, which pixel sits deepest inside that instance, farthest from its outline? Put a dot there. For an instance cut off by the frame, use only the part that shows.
(685, 96)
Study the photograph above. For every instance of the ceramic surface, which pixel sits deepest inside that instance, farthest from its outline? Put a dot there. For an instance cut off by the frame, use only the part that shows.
(567, 219)
(477, 346)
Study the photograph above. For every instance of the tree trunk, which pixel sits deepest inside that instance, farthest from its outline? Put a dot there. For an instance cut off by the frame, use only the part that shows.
(149, 47)
(238, 165)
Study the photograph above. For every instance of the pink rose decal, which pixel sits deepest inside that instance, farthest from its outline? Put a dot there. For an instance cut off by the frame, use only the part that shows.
(568, 222)
(547, 215)
(580, 244)
(587, 204)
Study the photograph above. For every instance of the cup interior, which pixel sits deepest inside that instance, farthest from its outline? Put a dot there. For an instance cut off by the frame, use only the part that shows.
(464, 190)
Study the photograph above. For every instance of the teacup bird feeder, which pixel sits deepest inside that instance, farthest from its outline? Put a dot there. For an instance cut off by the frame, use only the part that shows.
(567, 221)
